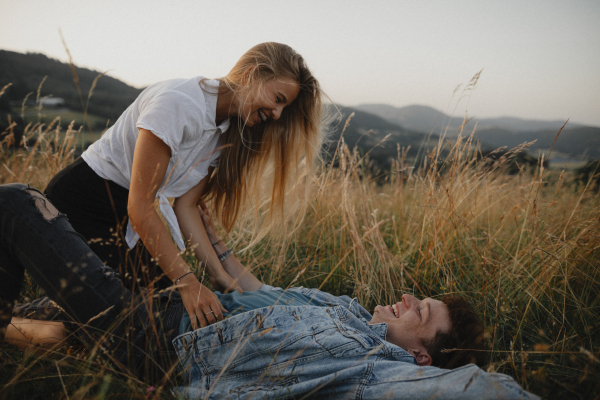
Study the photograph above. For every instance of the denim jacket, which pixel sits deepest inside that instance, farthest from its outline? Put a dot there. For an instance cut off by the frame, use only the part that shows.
(319, 352)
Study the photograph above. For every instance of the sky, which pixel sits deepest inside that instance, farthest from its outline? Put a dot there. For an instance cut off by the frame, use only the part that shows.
(539, 59)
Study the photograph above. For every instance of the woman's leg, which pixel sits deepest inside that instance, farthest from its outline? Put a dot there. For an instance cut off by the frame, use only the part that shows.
(97, 209)
(37, 238)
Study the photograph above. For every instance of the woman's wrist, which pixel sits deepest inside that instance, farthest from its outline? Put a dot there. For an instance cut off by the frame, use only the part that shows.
(185, 278)
(176, 281)
(220, 247)
(224, 255)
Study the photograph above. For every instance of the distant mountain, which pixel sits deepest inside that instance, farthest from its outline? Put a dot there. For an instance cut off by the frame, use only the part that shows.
(26, 71)
(419, 118)
(575, 141)
(427, 119)
(581, 142)
(367, 132)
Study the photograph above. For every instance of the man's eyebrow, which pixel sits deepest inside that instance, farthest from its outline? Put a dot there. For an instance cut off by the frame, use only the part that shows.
(284, 98)
(428, 312)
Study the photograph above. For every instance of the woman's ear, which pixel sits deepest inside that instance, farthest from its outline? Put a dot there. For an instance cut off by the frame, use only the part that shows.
(247, 75)
(423, 358)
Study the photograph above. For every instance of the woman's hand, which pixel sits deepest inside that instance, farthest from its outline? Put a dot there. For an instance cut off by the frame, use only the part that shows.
(202, 305)
(225, 283)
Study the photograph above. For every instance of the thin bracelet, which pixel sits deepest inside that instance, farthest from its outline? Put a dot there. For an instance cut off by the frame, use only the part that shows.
(213, 244)
(181, 277)
(223, 256)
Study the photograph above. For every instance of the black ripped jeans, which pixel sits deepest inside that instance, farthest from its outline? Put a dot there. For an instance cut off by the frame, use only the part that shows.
(134, 330)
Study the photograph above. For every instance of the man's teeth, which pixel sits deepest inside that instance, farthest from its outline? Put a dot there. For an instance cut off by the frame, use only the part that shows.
(395, 310)
(262, 115)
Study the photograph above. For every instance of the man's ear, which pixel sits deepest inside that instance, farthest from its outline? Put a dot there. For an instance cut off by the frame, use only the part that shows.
(422, 356)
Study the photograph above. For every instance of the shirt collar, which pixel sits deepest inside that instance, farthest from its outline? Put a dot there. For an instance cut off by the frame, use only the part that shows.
(210, 88)
(380, 329)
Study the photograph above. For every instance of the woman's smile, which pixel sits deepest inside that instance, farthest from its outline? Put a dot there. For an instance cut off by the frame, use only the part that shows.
(261, 115)
(269, 102)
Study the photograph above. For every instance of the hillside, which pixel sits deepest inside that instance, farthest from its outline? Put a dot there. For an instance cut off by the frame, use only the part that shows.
(575, 141)
(581, 142)
(367, 131)
(428, 119)
(26, 71)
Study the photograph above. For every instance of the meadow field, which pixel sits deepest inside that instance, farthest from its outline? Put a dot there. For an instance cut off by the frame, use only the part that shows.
(523, 248)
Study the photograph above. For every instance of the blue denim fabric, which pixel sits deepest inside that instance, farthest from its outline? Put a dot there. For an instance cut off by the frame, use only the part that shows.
(267, 296)
(130, 331)
(317, 352)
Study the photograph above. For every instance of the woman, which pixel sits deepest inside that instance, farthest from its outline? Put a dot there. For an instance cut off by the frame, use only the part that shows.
(265, 112)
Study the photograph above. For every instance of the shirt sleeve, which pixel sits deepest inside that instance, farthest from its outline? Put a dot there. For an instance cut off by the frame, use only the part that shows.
(167, 116)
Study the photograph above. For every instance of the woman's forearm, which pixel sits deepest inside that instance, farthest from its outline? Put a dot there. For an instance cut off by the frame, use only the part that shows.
(194, 232)
(150, 161)
(243, 278)
(157, 240)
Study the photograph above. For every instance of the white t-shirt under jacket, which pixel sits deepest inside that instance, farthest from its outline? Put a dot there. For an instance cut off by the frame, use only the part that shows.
(181, 114)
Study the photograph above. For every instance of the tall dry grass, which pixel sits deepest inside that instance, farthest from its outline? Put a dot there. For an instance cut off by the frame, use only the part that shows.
(525, 249)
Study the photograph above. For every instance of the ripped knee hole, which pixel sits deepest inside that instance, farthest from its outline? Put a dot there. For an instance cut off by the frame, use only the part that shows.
(49, 212)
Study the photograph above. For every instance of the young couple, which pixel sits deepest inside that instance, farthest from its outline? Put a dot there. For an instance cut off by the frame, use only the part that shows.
(199, 140)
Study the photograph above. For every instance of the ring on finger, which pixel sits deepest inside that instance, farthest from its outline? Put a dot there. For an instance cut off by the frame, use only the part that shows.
(210, 312)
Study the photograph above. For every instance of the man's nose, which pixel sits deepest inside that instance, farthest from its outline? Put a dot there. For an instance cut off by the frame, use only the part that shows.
(409, 300)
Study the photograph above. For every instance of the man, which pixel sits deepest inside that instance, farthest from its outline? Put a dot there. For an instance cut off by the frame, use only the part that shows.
(274, 343)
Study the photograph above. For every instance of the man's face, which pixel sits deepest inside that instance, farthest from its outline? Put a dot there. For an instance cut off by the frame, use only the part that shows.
(412, 322)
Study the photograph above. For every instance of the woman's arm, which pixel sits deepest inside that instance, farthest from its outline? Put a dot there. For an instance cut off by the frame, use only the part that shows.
(245, 279)
(193, 230)
(150, 160)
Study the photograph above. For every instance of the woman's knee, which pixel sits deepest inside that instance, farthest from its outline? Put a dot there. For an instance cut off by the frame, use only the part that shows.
(49, 212)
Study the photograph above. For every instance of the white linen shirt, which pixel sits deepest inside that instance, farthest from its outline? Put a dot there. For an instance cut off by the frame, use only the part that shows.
(182, 115)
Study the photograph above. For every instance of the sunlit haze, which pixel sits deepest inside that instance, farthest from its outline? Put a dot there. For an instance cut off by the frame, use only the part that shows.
(540, 59)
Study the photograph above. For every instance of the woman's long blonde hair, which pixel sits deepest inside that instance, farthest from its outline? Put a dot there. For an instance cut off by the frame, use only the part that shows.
(276, 156)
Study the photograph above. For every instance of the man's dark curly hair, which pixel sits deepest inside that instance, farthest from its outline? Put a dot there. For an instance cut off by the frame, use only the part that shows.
(466, 333)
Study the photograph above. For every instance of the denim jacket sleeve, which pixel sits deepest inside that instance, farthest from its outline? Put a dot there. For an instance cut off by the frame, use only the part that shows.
(290, 352)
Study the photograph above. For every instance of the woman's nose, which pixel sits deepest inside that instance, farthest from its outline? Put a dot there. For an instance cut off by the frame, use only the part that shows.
(277, 112)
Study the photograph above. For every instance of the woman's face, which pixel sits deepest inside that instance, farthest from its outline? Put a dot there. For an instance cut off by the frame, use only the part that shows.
(268, 103)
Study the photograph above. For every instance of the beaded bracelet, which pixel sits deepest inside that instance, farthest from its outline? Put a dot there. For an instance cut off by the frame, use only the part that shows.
(224, 255)
(181, 277)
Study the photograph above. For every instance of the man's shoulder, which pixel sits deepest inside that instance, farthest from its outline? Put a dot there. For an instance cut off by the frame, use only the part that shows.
(345, 301)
